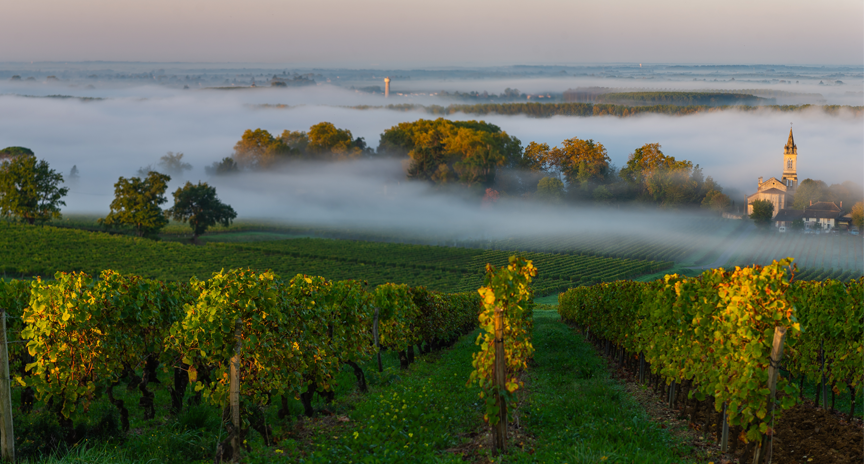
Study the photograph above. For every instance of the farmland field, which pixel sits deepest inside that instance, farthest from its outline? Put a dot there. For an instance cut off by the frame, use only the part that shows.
(28, 251)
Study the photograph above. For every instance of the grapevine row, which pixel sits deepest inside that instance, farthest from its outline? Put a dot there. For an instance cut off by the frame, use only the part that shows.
(85, 336)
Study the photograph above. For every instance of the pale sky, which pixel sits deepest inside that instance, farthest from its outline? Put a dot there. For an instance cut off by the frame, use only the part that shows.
(410, 33)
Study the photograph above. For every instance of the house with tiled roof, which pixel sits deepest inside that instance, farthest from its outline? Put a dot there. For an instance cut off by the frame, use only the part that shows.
(824, 215)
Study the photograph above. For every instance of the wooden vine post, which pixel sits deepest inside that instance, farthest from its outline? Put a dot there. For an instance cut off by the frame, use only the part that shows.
(499, 432)
(7, 435)
(375, 336)
(763, 450)
(234, 393)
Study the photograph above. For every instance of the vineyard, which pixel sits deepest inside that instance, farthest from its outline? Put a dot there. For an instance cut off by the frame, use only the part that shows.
(840, 252)
(87, 337)
(27, 251)
(709, 342)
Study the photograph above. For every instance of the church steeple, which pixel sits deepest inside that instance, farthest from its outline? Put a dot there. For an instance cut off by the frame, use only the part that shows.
(790, 162)
(790, 144)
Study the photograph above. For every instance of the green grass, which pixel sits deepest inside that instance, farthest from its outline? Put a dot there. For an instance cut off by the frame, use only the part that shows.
(578, 414)
(418, 418)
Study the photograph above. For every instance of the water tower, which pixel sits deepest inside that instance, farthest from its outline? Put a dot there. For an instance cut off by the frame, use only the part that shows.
(386, 87)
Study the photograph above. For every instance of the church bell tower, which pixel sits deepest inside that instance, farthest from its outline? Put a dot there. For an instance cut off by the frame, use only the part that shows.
(790, 163)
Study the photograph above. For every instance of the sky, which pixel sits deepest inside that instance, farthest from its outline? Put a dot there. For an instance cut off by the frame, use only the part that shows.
(390, 33)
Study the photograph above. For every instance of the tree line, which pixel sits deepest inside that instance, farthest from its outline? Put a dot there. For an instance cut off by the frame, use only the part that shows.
(547, 110)
(30, 191)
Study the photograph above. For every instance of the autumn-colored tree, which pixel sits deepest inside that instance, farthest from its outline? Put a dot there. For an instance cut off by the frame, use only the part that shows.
(490, 198)
(582, 162)
(536, 157)
(442, 149)
(858, 215)
(325, 138)
(259, 149)
(649, 159)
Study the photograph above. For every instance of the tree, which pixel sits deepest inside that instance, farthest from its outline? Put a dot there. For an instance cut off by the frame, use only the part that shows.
(12, 152)
(797, 224)
(536, 157)
(810, 190)
(173, 163)
(716, 200)
(763, 212)
(550, 189)
(136, 204)
(221, 168)
(858, 215)
(198, 205)
(648, 159)
(583, 162)
(327, 139)
(472, 149)
(73, 173)
(296, 140)
(30, 190)
(258, 149)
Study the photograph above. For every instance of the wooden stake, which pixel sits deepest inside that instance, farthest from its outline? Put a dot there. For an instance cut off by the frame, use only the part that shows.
(234, 393)
(724, 437)
(641, 367)
(499, 431)
(375, 335)
(824, 386)
(7, 435)
(763, 450)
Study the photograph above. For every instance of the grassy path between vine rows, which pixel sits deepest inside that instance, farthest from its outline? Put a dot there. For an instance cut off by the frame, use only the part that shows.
(574, 413)
(578, 414)
(423, 415)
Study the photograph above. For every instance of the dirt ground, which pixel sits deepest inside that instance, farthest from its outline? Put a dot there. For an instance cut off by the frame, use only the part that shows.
(804, 434)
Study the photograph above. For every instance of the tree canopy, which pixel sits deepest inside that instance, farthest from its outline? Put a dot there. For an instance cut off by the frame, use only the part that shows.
(550, 189)
(30, 189)
(224, 167)
(442, 151)
(199, 205)
(172, 163)
(858, 215)
(12, 152)
(136, 204)
(584, 163)
(810, 190)
(259, 149)
(763, 212)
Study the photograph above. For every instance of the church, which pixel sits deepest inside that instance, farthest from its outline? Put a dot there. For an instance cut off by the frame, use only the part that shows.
(779, 192)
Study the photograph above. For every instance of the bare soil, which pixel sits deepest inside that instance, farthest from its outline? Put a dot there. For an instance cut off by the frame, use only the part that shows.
(804, 434)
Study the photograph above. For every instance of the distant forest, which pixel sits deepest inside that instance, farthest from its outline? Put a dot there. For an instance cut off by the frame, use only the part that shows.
(682, 98)
(546, 110)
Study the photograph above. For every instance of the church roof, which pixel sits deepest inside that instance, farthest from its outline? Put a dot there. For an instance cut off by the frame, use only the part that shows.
(791, 142)
(773, 191)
